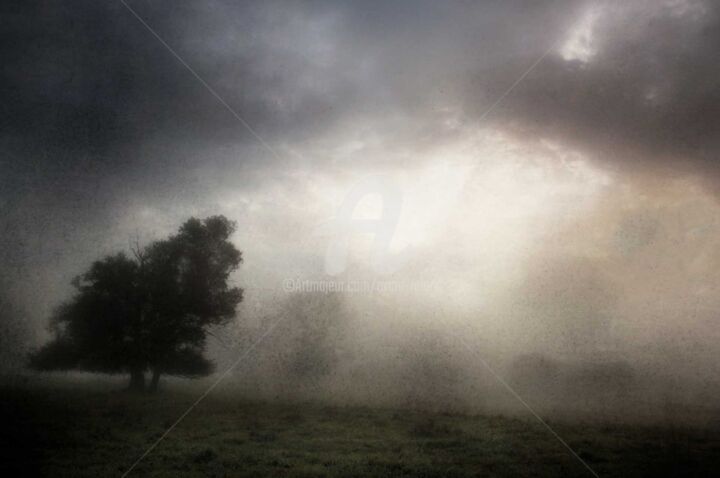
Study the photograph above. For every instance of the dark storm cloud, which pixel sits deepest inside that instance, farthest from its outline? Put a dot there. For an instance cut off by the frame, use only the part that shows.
(85, 85)
(96, 112)
(86, 78)
(647, 99)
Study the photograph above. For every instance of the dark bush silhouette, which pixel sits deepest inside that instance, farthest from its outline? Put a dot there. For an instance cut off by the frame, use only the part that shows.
(535, 373)
(151, 311)
(431, 372)
(596, 379)
(604, 378)
(309, 350)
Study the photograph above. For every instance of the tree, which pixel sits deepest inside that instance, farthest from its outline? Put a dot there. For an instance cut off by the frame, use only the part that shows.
(151, 311)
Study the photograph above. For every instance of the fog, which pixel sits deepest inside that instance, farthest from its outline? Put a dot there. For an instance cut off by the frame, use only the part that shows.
(448, 205)
(594, 299)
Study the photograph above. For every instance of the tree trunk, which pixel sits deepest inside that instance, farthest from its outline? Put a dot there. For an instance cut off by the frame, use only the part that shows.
(155, 380)
(137, 381)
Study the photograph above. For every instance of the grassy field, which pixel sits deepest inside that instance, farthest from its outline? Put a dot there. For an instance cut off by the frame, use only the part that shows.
(80, 431)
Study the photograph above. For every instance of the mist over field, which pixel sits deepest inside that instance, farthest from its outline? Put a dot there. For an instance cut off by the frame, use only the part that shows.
(448, 207)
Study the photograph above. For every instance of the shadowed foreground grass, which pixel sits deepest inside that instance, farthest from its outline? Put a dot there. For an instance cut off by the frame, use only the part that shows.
(74, 432)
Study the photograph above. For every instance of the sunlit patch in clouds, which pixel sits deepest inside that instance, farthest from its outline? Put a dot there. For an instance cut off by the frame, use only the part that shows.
(580, 43)
(482, 195)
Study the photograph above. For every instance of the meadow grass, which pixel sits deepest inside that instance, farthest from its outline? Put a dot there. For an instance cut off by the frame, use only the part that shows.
(82, 431)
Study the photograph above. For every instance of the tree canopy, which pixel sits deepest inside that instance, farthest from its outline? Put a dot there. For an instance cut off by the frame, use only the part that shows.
(149, 311)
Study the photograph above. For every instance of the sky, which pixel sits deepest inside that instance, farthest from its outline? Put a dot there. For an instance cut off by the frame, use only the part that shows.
(547, 166)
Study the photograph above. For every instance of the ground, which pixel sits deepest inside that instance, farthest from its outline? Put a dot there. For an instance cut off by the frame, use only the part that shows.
(76, 431)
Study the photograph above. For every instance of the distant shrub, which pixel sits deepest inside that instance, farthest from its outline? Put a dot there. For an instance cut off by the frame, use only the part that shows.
(541, 376)
(431, 373)
(612, 377)
(534, 372)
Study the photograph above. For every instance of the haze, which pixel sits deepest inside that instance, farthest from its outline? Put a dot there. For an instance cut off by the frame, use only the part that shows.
(553, 165)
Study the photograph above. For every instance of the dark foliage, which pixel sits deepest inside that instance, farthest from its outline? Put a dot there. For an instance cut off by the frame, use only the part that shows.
(151, 311)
